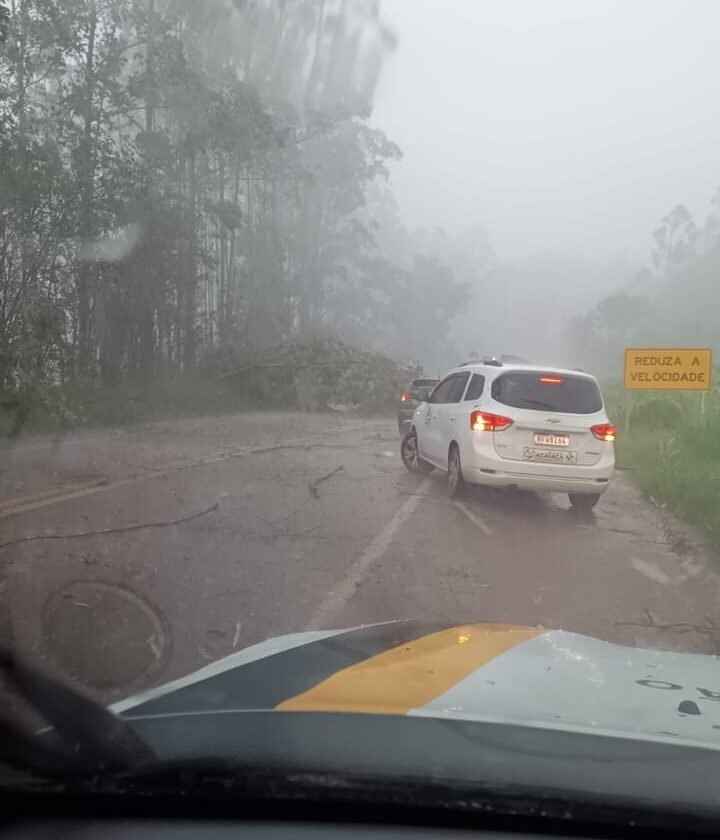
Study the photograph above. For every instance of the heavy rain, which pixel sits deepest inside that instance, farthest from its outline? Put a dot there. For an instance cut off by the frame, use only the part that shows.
(240, 245)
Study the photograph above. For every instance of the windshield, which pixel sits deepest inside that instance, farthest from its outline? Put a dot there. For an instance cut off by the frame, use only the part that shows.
(359, 356)
(548, 392)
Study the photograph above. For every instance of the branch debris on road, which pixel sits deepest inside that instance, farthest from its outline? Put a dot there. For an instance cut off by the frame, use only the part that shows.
(313, 486)
(678, 627)
(103, 531)
(276, 530)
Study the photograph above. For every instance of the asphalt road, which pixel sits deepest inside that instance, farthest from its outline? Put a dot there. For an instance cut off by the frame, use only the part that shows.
(222, 532)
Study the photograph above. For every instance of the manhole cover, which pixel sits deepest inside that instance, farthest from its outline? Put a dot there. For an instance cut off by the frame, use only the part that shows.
(104, 635)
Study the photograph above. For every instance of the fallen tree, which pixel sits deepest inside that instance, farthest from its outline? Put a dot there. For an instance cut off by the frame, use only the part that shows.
(317, 374)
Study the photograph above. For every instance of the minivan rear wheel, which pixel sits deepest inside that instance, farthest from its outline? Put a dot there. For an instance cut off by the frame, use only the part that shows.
(584, 502)
(455, 480)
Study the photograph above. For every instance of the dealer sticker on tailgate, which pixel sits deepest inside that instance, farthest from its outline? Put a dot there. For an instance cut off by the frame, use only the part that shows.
(553, 456)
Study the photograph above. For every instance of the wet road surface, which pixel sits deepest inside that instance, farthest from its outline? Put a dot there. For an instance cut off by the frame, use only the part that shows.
(222, 532)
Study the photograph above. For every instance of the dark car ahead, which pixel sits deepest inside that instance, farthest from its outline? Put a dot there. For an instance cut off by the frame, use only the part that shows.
(417, 391)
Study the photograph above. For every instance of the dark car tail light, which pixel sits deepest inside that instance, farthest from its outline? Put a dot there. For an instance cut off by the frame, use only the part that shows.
(405, 397)
(482, 421)
(604, 431)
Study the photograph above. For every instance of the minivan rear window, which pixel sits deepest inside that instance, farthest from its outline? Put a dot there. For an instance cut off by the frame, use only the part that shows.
(547, 392)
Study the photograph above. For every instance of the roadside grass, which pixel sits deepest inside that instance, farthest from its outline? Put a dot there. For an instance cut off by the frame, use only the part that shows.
(176, 398)
(671, 444)
(310, 373)
(95, 406)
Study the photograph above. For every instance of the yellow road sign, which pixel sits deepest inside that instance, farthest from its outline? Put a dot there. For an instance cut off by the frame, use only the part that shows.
(668, 370)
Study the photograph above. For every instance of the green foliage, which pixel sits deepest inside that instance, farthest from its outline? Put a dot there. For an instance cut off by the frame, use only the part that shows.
(677, 304)
(675, 240)
(315, 374)
(671, 443)
(92, 404)
(180, 180)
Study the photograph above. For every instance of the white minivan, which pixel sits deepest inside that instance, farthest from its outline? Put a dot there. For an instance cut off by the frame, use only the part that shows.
(522, 426)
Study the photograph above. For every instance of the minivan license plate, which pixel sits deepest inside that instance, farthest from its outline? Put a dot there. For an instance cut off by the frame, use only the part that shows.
(551, 456)
(552, 440)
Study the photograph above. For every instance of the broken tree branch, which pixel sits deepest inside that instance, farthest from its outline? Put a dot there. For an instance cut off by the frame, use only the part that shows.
(678, 627)
(681, 627)
(290, 364)
(313, 486)
(103, 531)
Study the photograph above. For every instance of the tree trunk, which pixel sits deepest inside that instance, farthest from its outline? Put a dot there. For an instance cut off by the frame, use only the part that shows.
(190, 315)
(223, 296)
(88, 227)
(146, 267)
(314, 75)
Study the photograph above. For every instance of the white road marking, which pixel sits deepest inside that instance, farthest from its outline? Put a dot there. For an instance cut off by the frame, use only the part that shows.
(336, 598)
(50, 494)
(650, 570)
(474, 518)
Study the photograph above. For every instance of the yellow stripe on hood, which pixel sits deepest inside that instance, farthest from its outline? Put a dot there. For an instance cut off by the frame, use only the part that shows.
(412, 674)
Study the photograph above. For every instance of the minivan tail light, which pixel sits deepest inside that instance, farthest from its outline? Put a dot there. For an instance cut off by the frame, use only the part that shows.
(482, 421)
(604, 431)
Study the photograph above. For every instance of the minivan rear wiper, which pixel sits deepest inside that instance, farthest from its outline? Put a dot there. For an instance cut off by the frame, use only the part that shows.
(82, 737)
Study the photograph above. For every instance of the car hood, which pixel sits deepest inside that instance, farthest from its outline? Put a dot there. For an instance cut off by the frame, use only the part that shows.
(531, 676)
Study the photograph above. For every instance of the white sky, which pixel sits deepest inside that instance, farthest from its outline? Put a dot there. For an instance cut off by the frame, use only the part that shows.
(569, 125)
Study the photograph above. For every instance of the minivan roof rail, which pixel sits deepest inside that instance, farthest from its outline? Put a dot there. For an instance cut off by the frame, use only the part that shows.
(513, 360)
(488, 360)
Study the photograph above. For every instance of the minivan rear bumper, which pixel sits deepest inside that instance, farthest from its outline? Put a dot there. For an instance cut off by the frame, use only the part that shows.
(532, 481)
(488, 468)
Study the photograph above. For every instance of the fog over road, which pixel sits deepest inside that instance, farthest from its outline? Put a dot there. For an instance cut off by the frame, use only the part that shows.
(256, 525)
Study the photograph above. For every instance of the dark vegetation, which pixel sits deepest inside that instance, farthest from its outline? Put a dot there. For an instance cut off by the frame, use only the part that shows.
(186, 185)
